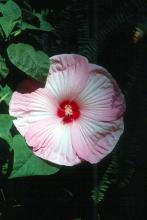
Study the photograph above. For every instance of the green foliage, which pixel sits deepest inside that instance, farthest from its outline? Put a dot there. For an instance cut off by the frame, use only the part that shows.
(107, 179)
(44, 25)
(12, 22)
(11, 15)
(24, 25)
(26, 163)
(11, 10)
(33, 63)
(3, 68)
(5, 94)
(5, 126)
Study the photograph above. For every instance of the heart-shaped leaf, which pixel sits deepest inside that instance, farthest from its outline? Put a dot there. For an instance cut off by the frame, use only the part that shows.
(26, 58)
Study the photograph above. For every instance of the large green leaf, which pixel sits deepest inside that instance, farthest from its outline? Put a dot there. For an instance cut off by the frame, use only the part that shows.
(26, 58)
(26, 163)
(11, 14)
(3, 68)
(6, 122)
(5, 94)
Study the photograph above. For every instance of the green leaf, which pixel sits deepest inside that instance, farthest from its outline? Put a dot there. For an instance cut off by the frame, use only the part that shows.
(5, 94)
(10, 10)
(44, 25)
(25, 25)
(99, 191)
(7, 25)
(3, 68)
(26, 163)
(11, 14)
(27, 59)
(6, 122)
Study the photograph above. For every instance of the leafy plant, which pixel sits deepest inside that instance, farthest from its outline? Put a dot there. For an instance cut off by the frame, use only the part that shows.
(26, 60)
(108, 178)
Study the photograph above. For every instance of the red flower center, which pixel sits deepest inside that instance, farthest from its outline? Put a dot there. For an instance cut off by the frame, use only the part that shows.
(68, 110)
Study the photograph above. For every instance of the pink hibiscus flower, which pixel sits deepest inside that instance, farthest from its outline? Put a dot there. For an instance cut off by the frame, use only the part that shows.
(77, 116)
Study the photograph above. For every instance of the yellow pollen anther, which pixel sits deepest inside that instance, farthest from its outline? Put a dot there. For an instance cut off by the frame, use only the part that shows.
(68, 110)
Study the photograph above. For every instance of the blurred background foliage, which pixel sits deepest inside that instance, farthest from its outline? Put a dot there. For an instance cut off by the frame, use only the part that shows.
(112, 34)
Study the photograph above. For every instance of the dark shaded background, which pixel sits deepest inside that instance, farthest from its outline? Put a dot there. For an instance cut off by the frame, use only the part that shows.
(66, 195)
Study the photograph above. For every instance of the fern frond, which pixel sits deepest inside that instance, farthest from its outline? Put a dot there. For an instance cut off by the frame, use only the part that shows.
(108, 178)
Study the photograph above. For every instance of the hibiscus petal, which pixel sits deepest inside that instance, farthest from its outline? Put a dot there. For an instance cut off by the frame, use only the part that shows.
(100, 99)
(51, 140)
(31, 107)
(94, 140)
(68, 75)
(101, 124)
